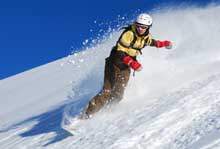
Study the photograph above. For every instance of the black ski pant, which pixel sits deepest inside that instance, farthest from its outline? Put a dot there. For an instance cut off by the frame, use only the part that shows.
(116, 77)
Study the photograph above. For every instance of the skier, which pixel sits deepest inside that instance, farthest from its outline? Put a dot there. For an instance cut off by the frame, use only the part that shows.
(120, 62)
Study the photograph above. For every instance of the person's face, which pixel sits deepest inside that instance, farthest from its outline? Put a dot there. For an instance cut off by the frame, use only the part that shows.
(141, 29)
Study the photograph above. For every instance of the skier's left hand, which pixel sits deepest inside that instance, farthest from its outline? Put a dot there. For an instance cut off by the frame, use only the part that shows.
(170, 46)
(166, 43)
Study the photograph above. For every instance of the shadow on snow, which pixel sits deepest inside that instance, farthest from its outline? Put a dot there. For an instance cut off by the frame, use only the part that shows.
(50, 121)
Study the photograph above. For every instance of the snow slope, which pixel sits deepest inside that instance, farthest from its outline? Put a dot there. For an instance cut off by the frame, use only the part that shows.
(173, 103)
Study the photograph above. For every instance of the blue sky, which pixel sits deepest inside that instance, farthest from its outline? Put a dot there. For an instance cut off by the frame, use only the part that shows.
(33, 33)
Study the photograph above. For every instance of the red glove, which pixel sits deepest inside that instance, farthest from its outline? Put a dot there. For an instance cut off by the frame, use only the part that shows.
(133, 64)
(165, 43)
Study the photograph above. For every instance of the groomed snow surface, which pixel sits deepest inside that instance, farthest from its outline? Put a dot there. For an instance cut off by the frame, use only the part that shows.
(173, 103)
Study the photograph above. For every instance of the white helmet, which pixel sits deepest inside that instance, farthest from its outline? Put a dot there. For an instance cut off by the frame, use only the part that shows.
(144, 19)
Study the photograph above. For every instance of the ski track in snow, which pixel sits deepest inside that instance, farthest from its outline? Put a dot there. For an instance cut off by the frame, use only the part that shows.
(174, 103)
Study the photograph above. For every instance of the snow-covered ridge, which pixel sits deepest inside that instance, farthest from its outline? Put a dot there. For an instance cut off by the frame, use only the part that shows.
(173, 103)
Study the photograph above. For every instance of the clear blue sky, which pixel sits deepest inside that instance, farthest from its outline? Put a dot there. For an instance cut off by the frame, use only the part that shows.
(33, 33)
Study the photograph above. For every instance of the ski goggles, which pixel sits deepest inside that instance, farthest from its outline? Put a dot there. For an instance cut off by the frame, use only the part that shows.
(141, 26)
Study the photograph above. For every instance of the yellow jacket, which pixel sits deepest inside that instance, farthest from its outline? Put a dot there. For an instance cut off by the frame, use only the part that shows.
(131, 43)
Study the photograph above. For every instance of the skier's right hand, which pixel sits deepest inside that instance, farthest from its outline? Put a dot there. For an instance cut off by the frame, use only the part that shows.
(132, 63)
